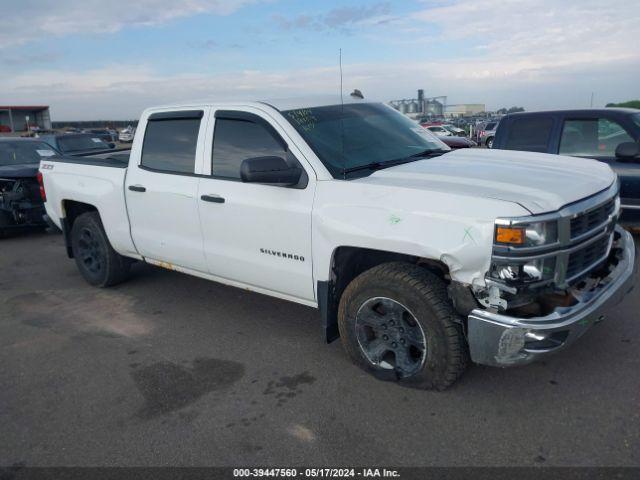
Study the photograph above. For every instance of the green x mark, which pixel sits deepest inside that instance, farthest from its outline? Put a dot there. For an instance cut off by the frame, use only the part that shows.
(467, 234)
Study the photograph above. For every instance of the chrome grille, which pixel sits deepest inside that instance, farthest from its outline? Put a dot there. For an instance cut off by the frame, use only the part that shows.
(591, 219)
(583, 260)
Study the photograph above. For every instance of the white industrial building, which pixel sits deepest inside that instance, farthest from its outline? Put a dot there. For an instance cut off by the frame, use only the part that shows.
(464, 109)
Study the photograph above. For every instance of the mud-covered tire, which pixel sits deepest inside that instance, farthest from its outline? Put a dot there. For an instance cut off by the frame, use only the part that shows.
(98, 262)
(425, 298)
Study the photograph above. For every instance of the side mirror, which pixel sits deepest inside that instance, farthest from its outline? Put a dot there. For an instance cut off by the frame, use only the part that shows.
(628, 150)
(112, 145)
(273, 170)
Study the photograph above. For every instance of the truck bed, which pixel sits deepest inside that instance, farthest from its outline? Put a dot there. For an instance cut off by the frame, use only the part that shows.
(111, 158)
(96, 180)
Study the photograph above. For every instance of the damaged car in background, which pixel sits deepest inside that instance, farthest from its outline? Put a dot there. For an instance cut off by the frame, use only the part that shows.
(21, 204)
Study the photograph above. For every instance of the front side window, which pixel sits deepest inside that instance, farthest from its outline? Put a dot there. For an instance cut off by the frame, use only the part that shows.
(529, 134)
(595, 137)
(355, 135)
(170, 145)
(236, 140)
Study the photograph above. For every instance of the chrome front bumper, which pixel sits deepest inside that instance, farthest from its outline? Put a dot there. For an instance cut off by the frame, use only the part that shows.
(502, 340)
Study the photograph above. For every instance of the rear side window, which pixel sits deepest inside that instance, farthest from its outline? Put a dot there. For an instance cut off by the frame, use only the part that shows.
(170, 145)
(596, 137)
(237, 140)
(529, 134)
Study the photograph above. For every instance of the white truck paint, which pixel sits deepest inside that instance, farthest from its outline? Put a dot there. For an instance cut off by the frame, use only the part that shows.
(283, 241)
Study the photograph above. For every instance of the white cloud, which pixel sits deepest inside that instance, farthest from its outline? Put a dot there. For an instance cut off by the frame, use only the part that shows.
(512, 37)
(123, 91)
(22, 21)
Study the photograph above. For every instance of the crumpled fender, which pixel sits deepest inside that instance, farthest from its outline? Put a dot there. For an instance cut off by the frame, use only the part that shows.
(456, 230)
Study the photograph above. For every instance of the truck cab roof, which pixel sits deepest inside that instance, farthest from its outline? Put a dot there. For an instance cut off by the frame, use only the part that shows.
(280, 104)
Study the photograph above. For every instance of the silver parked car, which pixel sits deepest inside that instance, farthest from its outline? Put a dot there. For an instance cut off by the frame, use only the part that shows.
(487, 134)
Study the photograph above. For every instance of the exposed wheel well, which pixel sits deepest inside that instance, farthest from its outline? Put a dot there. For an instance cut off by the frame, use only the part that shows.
(349, 262)
(72, 210)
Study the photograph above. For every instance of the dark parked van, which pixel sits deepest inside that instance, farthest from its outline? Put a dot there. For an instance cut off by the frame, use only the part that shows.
(611, 135)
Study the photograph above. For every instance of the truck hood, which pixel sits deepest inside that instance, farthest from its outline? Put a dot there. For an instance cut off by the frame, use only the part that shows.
(23, 170)
(538, 182)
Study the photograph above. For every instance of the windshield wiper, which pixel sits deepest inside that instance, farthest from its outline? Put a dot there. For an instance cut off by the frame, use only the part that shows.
(393, 163)
(429, 153)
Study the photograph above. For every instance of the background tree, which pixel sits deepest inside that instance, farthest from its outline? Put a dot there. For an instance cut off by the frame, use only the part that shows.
(629, 104)
(504, 110)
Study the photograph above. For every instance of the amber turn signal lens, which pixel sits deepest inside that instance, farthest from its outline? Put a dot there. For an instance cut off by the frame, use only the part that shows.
(514, 236)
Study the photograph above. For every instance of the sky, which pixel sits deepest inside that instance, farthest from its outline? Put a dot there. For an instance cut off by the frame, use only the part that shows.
(99, 59)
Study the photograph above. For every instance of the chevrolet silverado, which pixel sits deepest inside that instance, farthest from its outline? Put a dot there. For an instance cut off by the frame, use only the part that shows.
(418, 258)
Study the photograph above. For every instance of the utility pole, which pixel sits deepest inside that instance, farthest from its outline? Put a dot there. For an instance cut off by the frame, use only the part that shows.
(591, 106)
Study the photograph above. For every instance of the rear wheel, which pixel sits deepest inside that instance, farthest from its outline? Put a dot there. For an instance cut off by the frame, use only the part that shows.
(490, 142)
(397, 323)
(98, 262)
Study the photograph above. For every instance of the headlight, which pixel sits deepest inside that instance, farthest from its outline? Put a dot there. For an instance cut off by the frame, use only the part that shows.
(537, 270)
(533, 234)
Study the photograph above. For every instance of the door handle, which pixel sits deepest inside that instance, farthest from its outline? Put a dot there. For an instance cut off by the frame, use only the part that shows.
(137, 188)
(212, 198)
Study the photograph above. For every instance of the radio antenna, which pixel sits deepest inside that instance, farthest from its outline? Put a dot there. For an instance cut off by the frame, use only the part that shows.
(344, 166)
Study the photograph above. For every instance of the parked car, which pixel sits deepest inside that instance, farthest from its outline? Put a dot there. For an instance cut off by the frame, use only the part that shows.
(109, 136)
(610, 135)
(487, 133)
(21, 206)
(439, 130)
(126, 135)
(77, 143)
(455, 142)
(454, 130)
(414, 256)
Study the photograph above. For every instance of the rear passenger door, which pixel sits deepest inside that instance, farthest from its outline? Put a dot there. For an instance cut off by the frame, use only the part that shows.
(529, 134)
(258, 235)
(161, 189)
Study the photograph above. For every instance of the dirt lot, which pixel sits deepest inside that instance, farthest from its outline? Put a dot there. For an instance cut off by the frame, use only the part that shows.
(172, 370)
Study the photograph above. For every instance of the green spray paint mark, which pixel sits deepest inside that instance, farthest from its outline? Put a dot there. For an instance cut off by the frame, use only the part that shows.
(467, 234)
(394, 219)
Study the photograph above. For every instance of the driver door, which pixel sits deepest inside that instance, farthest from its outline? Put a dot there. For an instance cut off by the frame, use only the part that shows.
(255, 235)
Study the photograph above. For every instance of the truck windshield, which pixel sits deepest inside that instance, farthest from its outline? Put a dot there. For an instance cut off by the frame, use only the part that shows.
(21, 152)
(356, 135)
(636, 118)
(76, 143)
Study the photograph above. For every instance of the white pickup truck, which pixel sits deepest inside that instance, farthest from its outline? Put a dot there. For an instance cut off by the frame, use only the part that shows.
(417, 258)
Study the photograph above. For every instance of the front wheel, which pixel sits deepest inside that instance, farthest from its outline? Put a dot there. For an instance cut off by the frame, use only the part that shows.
(490, 143)
(98, 262)
(397, 323)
